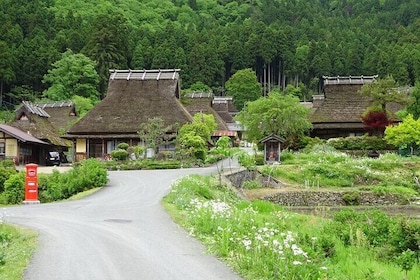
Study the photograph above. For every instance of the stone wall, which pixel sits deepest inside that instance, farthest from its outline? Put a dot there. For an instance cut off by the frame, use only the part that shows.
(237, 179)
(334, 198)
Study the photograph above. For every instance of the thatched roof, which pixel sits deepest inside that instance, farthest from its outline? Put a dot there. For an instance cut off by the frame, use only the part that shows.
(62, 113)
(35, 121)
(133, 99)
(223, 105)
(201, 103)
(342, 105)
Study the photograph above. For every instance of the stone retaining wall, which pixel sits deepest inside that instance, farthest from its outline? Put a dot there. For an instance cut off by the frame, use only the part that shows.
(333, 198)
(237, 179)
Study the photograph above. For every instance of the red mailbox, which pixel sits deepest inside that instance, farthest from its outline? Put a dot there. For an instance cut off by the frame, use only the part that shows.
(31, 183)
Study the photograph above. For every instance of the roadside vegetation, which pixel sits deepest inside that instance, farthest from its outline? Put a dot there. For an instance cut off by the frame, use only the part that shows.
(17, 245)
(86, 175)
(261, 240)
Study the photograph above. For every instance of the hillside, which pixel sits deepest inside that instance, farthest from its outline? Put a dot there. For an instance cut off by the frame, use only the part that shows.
(284, 41)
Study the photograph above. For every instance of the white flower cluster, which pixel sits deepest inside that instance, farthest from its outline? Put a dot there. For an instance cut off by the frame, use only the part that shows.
(218, 208)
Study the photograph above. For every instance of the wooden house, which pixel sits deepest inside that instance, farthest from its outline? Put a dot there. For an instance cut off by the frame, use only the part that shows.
(20, 146)
(337, 112)
(36, 121)
(201, 103)
(133, 97)
(224, 107)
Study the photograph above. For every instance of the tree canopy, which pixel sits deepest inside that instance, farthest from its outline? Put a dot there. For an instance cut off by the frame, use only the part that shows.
(73, 74)
(384, 91)
(405, 134)
(243, 87)
(282, 41)
(278, 113)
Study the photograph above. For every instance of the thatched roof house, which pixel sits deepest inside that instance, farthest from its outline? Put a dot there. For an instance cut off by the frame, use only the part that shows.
(34, 120)
(337, 113)
(200, 103)
(133, 97)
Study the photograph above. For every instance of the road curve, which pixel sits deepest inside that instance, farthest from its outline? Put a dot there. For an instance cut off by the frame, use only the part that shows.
(120, 232)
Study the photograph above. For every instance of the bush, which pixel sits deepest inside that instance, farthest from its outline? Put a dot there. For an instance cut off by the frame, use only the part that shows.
(259, 159)
(5, 173)
(14, 188)
(119, 154)
(351, 198)
(86, 175)
(364, 142)
(123, 146)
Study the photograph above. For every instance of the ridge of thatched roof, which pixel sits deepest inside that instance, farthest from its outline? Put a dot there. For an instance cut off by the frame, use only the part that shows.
(62, 113)
(131, 102)
(33, 109)
(158, 74)
(348, 80)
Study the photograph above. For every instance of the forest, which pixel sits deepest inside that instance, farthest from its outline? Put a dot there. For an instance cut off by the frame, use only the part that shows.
(284, 41)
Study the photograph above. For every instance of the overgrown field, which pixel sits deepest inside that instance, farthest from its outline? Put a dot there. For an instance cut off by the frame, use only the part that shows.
(261, 240)
(389, 173)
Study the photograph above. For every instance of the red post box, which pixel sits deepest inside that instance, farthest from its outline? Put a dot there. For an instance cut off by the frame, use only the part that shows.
(31, 184)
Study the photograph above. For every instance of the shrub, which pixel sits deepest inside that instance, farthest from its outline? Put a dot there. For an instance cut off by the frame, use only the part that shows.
(259, 159)
(119, 154)
(123, 146)
(14, 188)
(86, 175)
(351, 198)
(364, 142)
(5, 173)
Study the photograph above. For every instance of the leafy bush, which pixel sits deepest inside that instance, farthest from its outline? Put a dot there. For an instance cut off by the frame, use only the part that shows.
(123, 146)
(119, 154)
(364, 142)
(14, 188)
(351, 198)
(86, 175)
(5, 173)
(259, 159)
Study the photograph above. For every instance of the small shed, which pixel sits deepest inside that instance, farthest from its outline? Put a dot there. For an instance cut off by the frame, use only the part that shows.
(272, 147)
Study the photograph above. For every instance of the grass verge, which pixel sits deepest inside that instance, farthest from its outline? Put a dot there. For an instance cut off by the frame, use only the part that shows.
(17, 247)
(261, 240)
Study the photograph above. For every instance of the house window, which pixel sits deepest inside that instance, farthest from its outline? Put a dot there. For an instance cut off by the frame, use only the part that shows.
(2, 148)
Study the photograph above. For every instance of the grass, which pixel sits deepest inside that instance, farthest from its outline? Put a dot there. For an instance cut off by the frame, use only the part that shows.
(17, 246)
(261, 240)
(390, 173)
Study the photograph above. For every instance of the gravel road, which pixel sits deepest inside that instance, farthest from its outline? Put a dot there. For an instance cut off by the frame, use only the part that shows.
(120, 232)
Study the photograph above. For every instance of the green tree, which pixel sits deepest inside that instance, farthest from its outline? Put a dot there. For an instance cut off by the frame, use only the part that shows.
(414, 107)
(243, 87)
(108, 45)
(384, 91)
(7, 74)
(280, 114)
(73, 74)
(154, 133)
(193, 137)
(83, 105)
(405, 134)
